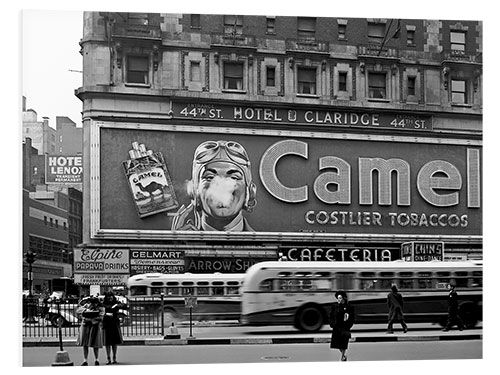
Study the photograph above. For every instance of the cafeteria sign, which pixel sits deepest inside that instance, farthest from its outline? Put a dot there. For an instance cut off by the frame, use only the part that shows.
(63, 169)
(422, 251)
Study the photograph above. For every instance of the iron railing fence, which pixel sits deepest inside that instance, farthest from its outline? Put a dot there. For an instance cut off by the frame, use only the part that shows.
(144, 317)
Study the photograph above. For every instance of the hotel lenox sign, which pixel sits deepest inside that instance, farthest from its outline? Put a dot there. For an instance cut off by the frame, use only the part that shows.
(320, 185)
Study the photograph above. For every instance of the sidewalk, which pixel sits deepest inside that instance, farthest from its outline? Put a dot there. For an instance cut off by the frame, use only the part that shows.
(292, 338)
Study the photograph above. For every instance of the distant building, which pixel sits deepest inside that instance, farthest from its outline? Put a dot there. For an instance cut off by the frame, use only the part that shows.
(69, 137)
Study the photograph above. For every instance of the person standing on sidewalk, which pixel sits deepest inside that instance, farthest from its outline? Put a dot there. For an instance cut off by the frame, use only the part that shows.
(395, 303)
(453, 317)
(111, 329)
(341, 321)
(90, 334)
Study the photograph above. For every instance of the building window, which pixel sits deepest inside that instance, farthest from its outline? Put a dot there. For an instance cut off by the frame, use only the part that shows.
(306, 27)
(233, 25)
(411, 85)
(233, 76)
(270, 76)
(410, 37)
(51, 222)
(195, 21)
(270, 25)
(458, 91)
(306, 81)
(195, 71)
(45, 220)
(376, 32)
(342, 31)
(138, 19)
(138, 69)
(457, 40)
(342, 81)
(377, 86)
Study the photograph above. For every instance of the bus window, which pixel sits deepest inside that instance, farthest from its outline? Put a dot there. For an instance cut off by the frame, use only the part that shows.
(265, 285)
(138, 290)
(345, 280)
(202, 288)
(443, 277)
(461, 279)
(233, 290)
(323, 274)
(156, 290)
(405, 280)
(303, 274)
(424, 280)
(322, 284)
(366, 280)
(386, 280)
(477, 278)
(217, 288)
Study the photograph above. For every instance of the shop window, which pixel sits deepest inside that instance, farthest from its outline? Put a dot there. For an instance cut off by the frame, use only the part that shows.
(270, 25)
(138, 69)
(270, 76)
(233, 76)
(376, 32)
(458, 91)
(377, 85)
(457, 42)
(233, 25)
(306, 27)
(306, 81)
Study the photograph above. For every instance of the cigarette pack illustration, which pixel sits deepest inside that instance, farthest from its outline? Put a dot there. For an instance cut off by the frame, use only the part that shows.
(149, 181)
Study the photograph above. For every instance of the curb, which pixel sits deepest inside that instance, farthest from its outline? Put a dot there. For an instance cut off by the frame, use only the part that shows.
(260, 341)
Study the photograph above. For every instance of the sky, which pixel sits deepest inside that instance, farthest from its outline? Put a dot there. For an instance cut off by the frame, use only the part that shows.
(52, 63)
(47, 50)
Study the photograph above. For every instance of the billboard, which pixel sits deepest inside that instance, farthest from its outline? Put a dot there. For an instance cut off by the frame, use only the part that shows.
(63, 169)
(102, 266)
(295, 184)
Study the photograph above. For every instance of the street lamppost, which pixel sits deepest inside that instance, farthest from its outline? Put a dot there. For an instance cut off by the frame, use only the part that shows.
(30, 259)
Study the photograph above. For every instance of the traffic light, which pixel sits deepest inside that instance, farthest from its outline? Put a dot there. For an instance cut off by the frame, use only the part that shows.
(30, 257)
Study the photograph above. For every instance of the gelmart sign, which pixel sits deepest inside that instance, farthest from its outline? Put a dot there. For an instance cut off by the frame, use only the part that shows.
(66, 169)
(299, 183)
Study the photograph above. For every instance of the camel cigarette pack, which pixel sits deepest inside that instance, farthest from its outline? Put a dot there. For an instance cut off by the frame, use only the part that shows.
(149, 181)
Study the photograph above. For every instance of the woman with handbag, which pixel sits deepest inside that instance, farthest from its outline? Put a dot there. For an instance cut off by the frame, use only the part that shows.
(90, 334)
(341, 321)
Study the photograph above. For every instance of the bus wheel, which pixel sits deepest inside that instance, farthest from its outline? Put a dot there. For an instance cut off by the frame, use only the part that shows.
(309, 318)
(467, 313)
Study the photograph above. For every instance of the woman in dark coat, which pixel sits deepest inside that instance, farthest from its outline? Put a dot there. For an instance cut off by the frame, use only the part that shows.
(341, 321)
(112, 332)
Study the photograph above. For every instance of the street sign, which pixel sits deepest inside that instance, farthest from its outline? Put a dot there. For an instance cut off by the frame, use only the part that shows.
(190, 301)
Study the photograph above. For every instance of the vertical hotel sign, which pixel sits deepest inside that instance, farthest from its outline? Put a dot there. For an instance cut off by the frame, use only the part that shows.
(63, 169)
(101, 266)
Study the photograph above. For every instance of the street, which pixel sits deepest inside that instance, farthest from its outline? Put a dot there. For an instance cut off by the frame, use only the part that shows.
(283, 353)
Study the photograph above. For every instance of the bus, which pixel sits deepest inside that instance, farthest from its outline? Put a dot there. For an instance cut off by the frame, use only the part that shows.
(301, 293)
(216, 296)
